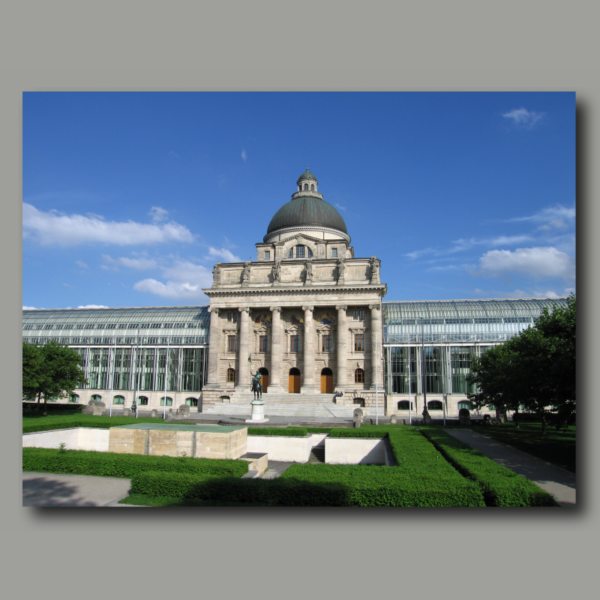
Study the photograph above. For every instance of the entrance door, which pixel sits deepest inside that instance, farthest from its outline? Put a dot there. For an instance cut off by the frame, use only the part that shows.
(294, 386)
(326, 381)
(264, 379)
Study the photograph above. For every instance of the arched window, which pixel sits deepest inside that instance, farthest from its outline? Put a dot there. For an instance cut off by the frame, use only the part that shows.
(434, 405)
(230, 374)
(169, 401)
(300, 251)
(312, 187)
(118, 400)
(359, 376)
(309, 251)
(74, 398)
(291, 253)
(143, 400)
(405, 405)
(465, 404)
(191, 401)
(97, 397)
(306, 186)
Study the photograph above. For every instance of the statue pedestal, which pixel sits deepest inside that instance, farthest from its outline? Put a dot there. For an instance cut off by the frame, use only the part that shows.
(258, 412)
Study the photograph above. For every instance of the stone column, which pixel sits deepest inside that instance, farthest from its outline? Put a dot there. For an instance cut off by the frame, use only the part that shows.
(376, 346)
(243, 379)
(276, 351)
(213, 351)
(342, 348)
(308, 376)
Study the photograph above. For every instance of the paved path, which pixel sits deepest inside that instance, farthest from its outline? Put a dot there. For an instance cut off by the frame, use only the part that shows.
(553, 479)
(48, 489)
(276, 468)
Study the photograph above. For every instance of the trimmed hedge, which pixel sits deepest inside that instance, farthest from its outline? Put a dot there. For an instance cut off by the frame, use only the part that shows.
(500, 486)
(280, 431)
(31, 410)
(357, 433)
(67, 421)
(111, 464)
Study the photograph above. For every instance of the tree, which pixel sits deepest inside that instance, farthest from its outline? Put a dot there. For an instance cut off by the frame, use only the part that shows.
(535, 369)
(53, 371)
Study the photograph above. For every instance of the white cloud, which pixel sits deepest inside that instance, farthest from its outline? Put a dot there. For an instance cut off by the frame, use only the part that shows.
(533, 262)
(81, 264)
(223, 253)
(554, 217)
(51, 227)
(140, 264)
(184, 280)
(419, 253)
(93, 306)
(158, 214)
(31, 308)
(244, 155)
(340, 206)
(523, 117)
(502, 240)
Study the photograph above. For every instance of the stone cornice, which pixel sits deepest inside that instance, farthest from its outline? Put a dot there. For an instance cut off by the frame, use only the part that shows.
(302, 291)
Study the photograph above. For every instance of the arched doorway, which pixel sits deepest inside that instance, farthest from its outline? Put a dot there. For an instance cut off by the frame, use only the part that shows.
(264, 379)
(294, 387)
(326, 381)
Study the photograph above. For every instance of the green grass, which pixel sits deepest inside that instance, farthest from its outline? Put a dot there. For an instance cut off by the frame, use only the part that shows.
(31, 424)
(557, 447)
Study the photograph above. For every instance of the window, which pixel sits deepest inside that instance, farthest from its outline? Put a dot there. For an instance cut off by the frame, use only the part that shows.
(405, 405)
(434, 405)
(306, 186)
(359, 376)
(327, 345)
(143, 401)
(118, 400)
(191, 401)
(231, 375)
(334, 253)
(169, 401)
(465, 404)
(291, 253)
(294, 343)
(74, 398)
(231, 343)
(312, 187)
(263, 343)
(300, 251)
(267, 255)
(359, 342)
(232, 317)
(359, 401)
(359, 315)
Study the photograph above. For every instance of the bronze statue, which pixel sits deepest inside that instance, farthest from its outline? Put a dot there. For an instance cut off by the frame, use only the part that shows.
(257, 385)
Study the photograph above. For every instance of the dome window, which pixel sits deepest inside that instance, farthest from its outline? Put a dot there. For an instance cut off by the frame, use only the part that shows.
(312, 187)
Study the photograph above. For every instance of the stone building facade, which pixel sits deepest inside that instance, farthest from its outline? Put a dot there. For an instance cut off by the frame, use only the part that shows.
(307, 313)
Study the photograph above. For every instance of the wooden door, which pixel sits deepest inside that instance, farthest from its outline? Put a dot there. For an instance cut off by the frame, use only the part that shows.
(294, 387)
(326, 384)
(264, 379)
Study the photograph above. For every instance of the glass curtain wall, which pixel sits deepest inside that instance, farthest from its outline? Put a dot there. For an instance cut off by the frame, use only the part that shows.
(122, 369)
(98, 369)
(461, 367)
(147, 369)
(191, 370)
(399, 370)
(173, 369)
(433, 369)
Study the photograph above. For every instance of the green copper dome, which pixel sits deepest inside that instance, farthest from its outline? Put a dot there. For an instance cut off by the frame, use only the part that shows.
(306, 175)
(307, 211)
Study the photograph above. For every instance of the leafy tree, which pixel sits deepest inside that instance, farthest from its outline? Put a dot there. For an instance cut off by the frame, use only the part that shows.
(535, 369)
(53, 371)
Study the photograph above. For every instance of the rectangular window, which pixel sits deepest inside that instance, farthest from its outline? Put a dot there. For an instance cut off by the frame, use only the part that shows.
(334, 253)
(264, 343)
(294, 343)
(231, 343)
(359, 315)
(359, 342)
(326, 345)
(232, 317)
(267, 255)
(291, 253)
(299, 251)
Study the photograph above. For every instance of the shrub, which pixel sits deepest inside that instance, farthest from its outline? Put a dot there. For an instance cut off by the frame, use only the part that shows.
(111, 464)
(500, 486)
(31, 409)
(287, 431)
(358, 433)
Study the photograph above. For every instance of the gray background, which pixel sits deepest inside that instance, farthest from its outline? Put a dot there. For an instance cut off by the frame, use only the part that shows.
(311, 45)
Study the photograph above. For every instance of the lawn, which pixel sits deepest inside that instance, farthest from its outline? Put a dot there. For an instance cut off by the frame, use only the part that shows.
(557, 447)
(31, 424)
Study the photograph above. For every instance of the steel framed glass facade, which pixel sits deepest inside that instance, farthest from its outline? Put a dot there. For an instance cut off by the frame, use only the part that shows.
(127, 347)
(442, 337)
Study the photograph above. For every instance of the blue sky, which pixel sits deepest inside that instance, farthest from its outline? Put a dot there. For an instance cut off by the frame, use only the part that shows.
(130, 198)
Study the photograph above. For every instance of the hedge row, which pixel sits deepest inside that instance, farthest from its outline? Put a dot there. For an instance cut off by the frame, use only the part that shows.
(279, 431)
(358, 433)
(110, 464)
(67, 421)
(36, 410)
(500, 486)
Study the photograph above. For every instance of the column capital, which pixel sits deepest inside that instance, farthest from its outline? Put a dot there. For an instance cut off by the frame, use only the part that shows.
(310, 308)
(275, 308)
(375, 306)
(214, 309)
(342, 307)
(245, 309)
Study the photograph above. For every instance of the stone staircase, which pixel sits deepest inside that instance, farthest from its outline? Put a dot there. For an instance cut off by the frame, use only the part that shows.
(288, 405)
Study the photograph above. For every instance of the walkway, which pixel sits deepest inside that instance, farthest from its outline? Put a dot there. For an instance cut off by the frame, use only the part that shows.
(48, 489)
(553, 479)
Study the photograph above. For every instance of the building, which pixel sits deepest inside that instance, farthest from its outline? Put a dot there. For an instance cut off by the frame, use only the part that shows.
(307, 314)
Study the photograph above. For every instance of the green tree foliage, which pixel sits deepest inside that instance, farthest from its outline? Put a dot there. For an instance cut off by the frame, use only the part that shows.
(535, 369)
(51, 371)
